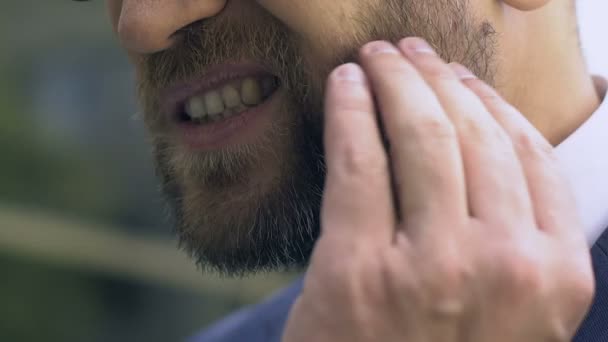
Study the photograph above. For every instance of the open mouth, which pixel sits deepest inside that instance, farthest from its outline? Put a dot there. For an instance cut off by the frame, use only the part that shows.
(227, 99)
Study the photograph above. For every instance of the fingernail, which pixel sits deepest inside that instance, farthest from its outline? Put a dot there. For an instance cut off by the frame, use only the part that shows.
(349, 72)
(417, 45)
(379, 47)
(462, 72)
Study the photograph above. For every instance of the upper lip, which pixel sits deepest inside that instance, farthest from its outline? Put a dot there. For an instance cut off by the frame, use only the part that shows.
(175, 97)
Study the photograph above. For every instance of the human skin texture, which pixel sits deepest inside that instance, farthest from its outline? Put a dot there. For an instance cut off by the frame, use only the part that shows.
(479, 246)
(425, 195)
(254, 204)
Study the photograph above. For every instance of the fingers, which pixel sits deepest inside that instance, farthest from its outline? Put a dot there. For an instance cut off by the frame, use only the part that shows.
(552, 199)
(357, 202)
(424, 150)
(455, 148)
(495, 183)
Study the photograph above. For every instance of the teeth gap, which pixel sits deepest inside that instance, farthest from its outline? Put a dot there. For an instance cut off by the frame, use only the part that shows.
(276, 83)
(183, 116)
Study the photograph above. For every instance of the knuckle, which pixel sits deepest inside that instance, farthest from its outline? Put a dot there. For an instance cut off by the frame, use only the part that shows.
(488, 135)
(471, 129)
(394, 274)
(453, 274)
(534, 147)
(486, 93)
(446, 286)
(432, 126)
(434, 68)
(359, 162)
(351, 98)
(520, 273)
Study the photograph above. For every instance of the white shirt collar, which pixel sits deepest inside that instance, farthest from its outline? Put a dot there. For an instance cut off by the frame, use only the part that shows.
(584, 157)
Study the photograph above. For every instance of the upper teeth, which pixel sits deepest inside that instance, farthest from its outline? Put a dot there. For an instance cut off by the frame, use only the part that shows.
(231, 99)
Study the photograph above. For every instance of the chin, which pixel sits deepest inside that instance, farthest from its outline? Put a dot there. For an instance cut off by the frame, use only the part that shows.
(247, 209)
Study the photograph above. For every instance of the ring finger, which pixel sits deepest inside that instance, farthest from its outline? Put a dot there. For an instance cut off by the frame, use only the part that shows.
(496, 186)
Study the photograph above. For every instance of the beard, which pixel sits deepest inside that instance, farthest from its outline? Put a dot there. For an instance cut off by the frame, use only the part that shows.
(256, 207)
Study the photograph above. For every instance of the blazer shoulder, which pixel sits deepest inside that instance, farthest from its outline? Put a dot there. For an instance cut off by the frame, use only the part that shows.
(260, 322)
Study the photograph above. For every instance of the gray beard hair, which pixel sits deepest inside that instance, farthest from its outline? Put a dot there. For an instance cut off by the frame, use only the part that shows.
(276, 229)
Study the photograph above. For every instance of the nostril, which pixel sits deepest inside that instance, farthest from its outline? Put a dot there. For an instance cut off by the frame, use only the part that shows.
(190, 30)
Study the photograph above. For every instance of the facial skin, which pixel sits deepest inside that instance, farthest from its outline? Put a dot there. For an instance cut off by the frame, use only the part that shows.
(254, 205)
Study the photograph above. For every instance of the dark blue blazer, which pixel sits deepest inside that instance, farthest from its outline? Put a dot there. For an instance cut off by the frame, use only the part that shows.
(264, 322)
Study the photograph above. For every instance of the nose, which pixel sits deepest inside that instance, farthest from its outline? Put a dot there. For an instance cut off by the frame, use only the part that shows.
(148, 26)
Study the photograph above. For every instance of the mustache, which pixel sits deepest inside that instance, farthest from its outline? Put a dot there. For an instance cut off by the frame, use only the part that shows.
(217, 40)
(259, 38)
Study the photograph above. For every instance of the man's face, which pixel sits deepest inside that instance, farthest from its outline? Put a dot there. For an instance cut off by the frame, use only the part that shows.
(232, 96)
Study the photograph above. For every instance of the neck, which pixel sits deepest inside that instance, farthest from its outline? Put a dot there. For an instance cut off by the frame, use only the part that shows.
(543, 71)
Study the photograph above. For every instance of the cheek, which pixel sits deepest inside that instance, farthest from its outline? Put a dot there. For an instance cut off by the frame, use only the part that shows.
(324, 28)
(316, 20)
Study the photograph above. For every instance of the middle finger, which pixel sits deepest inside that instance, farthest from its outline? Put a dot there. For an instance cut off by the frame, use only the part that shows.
(496, 185)
(426, 161)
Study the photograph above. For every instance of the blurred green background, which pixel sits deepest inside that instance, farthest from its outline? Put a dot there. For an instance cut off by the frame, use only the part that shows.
(86, 251)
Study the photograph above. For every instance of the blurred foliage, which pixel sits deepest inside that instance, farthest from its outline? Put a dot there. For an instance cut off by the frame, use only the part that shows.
(53, 304)
(39, 168)
(69, 145)
(29, 313)
(43, 172)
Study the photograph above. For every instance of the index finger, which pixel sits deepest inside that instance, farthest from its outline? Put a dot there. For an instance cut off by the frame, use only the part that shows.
(357, 202)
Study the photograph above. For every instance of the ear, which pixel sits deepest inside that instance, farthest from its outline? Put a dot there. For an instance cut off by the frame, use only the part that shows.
(526, 5)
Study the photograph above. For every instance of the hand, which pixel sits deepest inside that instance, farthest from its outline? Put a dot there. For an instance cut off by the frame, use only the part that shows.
(487, 245)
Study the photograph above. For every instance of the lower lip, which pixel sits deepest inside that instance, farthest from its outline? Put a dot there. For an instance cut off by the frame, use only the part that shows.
(234, 130)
